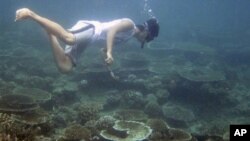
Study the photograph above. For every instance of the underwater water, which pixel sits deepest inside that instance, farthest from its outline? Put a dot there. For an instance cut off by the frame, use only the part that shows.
(190, 83)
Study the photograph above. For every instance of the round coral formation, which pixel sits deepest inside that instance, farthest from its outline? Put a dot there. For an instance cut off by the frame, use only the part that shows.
(127, 131)
(39, 95)
(17, 104)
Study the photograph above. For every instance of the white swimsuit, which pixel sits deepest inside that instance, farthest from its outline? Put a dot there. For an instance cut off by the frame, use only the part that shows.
(86, 32)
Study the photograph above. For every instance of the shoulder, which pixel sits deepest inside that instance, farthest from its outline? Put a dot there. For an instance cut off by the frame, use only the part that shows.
(122, 20)
(126, 23)
(122, 24)
(127, 20)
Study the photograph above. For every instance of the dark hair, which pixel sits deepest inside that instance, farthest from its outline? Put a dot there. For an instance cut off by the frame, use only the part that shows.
(152, 26)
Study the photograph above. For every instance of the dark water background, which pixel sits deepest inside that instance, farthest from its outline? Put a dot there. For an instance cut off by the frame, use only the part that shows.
(174, 16)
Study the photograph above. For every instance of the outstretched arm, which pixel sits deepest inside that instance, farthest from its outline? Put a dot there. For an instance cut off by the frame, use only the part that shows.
(125, 25)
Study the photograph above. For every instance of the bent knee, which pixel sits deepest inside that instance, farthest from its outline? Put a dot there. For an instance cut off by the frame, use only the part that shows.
(69, 38)
(65, 68)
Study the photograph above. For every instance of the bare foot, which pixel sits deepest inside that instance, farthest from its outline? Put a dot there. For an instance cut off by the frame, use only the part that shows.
(23, 13)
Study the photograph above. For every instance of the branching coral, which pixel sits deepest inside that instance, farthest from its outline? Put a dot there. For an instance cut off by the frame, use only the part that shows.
(15, 131)
(88, 111)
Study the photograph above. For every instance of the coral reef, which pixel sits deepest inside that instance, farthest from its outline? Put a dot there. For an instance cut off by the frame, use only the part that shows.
(192, 47)
(39, 95)
(162, 132)
(34, 81)
(153, 83)
(105, 122)
(131, 61)
(160, 129)
(201, 74)
(17, 104)
(130, 114)
(158, 125)
(127, 131)
(162, 95)
(38, 117)
(64, 85)
(164, 81)
(178, 135)
(113, 100)
(177, 114)
(153, 109)
(132, 99)
(76, 132)
(13, 130)
(6, 87)
(88, 111)
(159, 50)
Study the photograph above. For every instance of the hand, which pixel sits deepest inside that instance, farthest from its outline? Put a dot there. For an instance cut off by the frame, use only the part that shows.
(109, 60)
(23, 13)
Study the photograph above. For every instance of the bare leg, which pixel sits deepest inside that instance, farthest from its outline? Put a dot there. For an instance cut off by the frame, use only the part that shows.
(63, 61)
(48, 25)
(54, 30)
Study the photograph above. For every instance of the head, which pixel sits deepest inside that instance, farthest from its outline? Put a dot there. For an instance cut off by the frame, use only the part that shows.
(148, 31)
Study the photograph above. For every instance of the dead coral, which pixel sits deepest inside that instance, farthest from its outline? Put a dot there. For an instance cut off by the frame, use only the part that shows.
(127, 131)
(76, 132)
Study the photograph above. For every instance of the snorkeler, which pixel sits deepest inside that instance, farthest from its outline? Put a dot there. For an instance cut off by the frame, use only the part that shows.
(85, 32)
